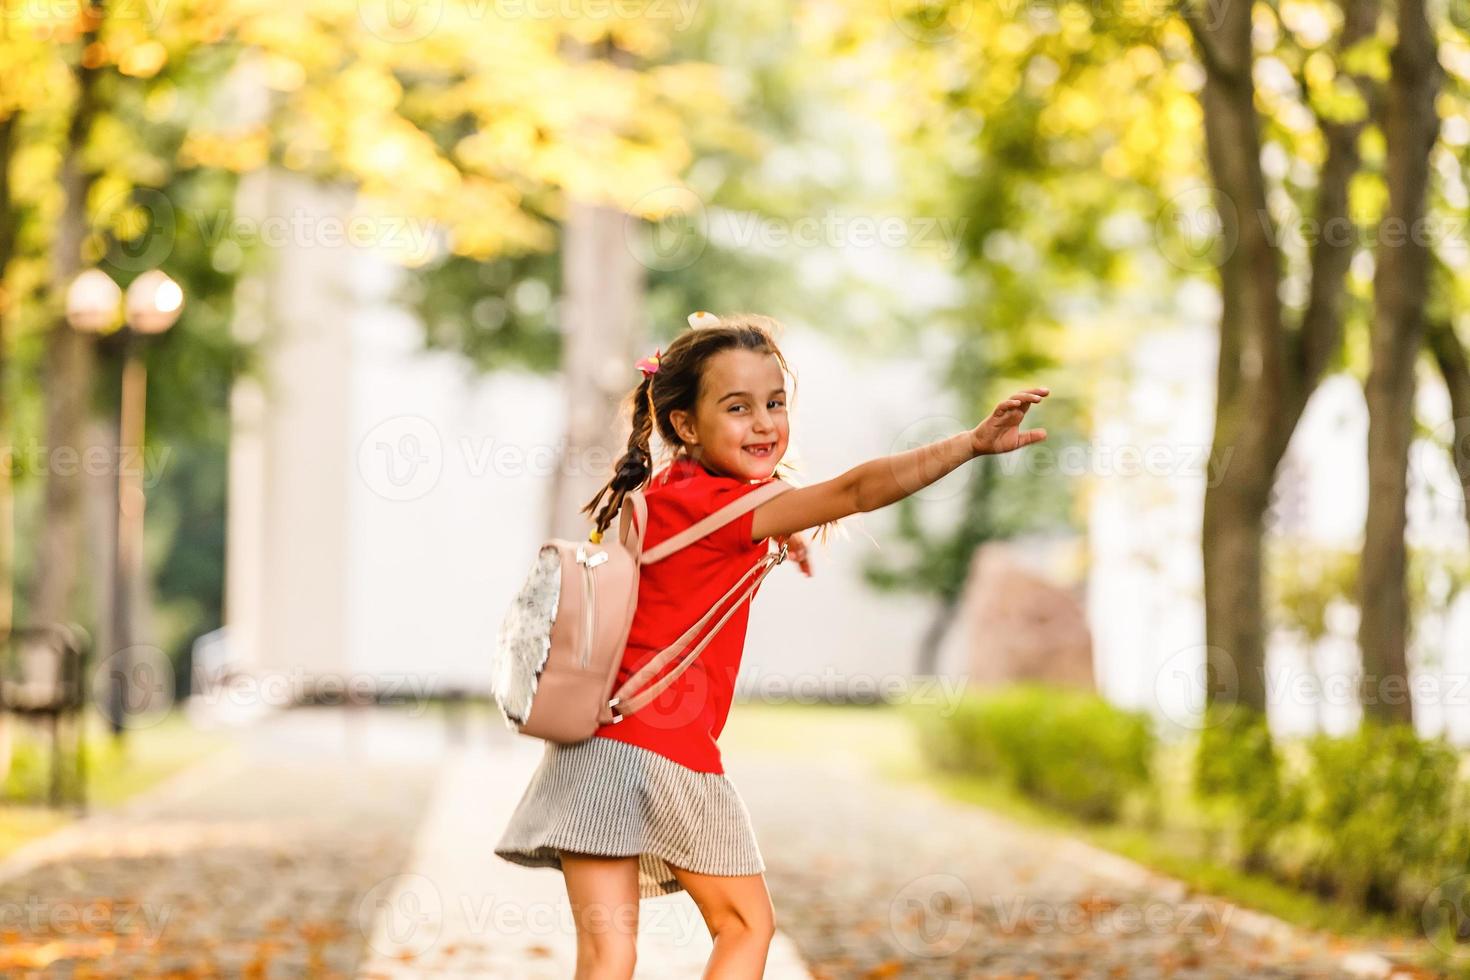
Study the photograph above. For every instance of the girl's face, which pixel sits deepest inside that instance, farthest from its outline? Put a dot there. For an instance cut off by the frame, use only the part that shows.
(739, 427)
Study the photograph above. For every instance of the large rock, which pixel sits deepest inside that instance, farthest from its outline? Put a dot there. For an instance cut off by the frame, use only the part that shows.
(1020, 626)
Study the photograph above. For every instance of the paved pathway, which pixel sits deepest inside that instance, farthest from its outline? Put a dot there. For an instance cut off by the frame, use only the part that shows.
(876, 879)
(459, 911)
(260, 863)
(326, 844)
(330, 845)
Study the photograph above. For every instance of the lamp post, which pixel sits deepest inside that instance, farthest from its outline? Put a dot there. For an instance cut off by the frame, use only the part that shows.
(151, 305)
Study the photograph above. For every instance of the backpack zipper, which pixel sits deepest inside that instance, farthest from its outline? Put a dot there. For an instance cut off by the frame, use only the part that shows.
(589, 598)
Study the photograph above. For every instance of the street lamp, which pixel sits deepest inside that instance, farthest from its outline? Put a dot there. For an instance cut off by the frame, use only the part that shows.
(91, 302)
(152, 304)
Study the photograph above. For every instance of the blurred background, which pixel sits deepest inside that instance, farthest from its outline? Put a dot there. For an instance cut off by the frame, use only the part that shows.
(316, 321)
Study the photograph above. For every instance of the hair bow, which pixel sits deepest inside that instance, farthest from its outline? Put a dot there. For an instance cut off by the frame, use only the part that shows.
(649, 364)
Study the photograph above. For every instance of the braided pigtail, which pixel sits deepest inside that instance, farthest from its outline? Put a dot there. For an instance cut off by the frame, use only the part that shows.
(634, 467)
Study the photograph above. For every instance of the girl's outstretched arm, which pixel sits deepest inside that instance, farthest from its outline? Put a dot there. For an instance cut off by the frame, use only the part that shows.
(888, 479)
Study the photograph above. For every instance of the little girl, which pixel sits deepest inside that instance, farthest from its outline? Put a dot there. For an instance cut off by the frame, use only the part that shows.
(643, 807)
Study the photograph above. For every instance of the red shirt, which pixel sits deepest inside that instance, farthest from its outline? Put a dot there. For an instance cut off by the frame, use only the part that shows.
(686, 718)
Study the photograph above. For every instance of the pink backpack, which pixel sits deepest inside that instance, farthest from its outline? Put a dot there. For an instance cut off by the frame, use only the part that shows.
(561, 642)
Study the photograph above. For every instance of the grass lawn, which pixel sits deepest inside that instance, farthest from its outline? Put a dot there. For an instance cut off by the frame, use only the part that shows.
(880, 738)
(115, 773)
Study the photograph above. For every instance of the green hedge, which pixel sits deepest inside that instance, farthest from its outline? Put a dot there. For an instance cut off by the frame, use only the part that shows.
(1379, 819)
(1067, 748)
(1385, 813)
(1241, 780)
(27, 779)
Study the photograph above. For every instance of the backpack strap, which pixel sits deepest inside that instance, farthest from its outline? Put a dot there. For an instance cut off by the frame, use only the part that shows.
(626, 705)
(735, 508)
(621, 704)
(634, 506)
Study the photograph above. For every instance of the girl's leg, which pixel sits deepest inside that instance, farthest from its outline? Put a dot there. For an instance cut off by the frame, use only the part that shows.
(604, 896)
(741, 919)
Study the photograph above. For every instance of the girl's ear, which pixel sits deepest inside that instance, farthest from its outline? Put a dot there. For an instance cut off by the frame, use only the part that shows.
(682, 425)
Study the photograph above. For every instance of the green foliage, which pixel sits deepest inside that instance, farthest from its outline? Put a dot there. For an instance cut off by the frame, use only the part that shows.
(27, 777)
(1435, 577)
(1238, 775)
(186, 548)
(498, 313)
(960, 742)
(30, 770)
(1383, 810)
(1306, 581)
(1235, 757)
(1368, 57)
(1377, 818)
(1070, 749)
(505, 311)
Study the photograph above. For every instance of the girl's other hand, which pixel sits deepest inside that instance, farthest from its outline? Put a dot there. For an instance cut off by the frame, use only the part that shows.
(796, 551)
(1001, 430)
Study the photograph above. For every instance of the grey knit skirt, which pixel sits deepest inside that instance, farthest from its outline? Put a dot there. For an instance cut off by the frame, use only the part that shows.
(607, 797)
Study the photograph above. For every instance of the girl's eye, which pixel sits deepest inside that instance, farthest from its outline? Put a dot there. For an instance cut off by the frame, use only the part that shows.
(773, 401)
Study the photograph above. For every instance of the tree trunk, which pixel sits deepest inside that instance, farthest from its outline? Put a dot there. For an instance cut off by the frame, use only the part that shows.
(1235, 632)
(1267, 369)
(1410, 127)
(7, 437)
(1454, 365)
(932, 640)
(602, 326)
(602, 319)
(68, 371)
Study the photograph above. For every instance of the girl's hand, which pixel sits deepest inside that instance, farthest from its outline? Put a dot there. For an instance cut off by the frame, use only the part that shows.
(1001, 432)
(796, 550)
